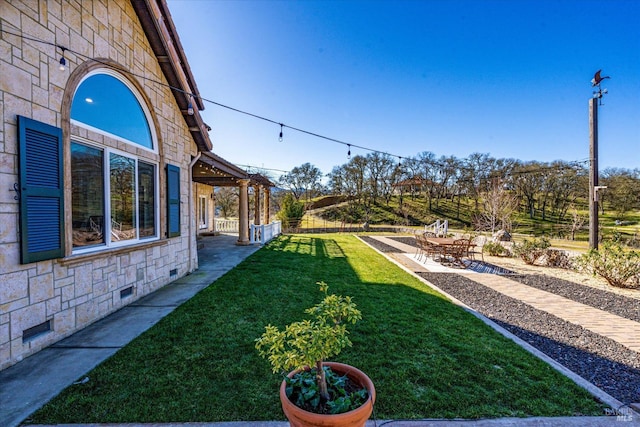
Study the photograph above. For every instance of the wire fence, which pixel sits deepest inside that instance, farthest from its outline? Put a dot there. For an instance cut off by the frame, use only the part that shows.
(319, 225)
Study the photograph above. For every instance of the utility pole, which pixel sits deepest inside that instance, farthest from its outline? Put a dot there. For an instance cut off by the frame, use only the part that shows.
(593, 158)
(593, 173)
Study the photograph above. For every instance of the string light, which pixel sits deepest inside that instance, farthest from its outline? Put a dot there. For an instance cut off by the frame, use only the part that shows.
(177, 89)
(63, 61)
(259, 168)
(63, 64)
(572, 165)
(349, 152)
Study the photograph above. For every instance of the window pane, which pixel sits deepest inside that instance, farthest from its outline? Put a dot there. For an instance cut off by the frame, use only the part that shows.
(123, 198)
(202, 212)
(104, 102)
(87, 195)
(146, 199)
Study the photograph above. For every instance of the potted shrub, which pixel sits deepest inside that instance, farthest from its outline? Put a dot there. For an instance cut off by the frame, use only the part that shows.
(317, 392)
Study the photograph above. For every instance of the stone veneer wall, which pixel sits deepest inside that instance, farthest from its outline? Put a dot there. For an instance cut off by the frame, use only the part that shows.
(79, 289)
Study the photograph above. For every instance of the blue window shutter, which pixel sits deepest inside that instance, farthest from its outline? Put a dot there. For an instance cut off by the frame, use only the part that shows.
(173, 201)
(41, 191)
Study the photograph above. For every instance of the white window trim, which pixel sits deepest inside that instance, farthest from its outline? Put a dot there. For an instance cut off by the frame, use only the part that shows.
(110, 244)
(202, 225)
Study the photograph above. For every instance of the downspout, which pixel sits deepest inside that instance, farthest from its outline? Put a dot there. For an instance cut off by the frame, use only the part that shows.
(191, 213)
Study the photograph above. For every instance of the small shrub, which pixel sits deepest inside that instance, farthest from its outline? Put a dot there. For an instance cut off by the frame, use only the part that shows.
(495, 249)
(531, 250)
(618, 267)
(556, 258)
(291, 212)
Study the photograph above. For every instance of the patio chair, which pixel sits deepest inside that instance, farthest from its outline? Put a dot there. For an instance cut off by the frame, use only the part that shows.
(433, 251)
(479, 242)
(458, 250)
(425, 248)
(420, 244)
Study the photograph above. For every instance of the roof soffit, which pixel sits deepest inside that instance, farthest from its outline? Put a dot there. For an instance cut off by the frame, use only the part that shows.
(162, 35)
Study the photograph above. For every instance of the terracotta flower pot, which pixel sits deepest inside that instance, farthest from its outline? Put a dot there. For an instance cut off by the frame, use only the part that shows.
(356, 418)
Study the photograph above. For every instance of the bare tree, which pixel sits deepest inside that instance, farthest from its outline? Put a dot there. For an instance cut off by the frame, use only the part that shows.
(527, 179)
(446, 173)
(567, 184)
(577, 222)
(477, 169)
(337, 181)
(623, 190)
(380, 169)
(411, 169)
(428, 173)
(498, 207)
(303, 180)
(226, 198)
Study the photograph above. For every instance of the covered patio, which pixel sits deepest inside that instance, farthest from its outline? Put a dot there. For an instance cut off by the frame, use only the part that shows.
(209, 171)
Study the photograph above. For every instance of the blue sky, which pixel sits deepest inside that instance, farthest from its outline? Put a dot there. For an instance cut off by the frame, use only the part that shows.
(506, 77)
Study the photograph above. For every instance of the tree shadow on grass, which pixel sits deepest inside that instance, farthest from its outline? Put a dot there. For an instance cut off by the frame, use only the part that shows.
(426, 356)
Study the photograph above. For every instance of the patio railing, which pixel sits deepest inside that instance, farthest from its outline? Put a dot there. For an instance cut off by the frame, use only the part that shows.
(226, 225)
(264, 232)
(440, 228)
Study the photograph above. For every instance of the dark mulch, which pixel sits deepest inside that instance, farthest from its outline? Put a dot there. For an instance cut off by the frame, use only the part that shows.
(382, 247)
(605, 363)
(407, 240)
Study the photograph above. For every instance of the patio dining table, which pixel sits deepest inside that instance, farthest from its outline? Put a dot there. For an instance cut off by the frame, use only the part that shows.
(440, 241)
(448, 244)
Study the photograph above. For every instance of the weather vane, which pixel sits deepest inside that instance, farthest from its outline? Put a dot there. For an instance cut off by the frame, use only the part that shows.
(595, 82)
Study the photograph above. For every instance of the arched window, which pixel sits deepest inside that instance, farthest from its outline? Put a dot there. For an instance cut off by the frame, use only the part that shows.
(114, 190)
(107, 105)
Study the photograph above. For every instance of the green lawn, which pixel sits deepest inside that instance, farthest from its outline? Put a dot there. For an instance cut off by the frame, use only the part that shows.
(427, 357)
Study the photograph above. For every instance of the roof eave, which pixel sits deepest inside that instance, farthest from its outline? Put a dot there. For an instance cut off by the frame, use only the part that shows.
(158, 26)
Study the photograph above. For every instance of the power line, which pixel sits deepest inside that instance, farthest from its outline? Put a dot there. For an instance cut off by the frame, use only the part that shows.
(260, 168)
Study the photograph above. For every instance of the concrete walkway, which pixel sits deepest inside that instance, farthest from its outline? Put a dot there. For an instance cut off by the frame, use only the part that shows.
(28, 385)
(498, 422)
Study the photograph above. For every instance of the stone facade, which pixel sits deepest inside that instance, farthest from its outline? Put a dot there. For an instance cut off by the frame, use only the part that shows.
(67, 294)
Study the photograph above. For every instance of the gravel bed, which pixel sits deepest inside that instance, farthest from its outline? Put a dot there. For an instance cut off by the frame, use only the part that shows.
(605, 363)
(382, 247)
(407, 240)
(600, 360)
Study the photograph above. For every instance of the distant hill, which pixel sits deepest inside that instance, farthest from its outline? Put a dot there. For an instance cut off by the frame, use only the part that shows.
(459, 213)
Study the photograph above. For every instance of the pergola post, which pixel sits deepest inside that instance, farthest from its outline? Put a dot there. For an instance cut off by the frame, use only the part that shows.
(256, 204)
(243, 226)
(267, 217)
